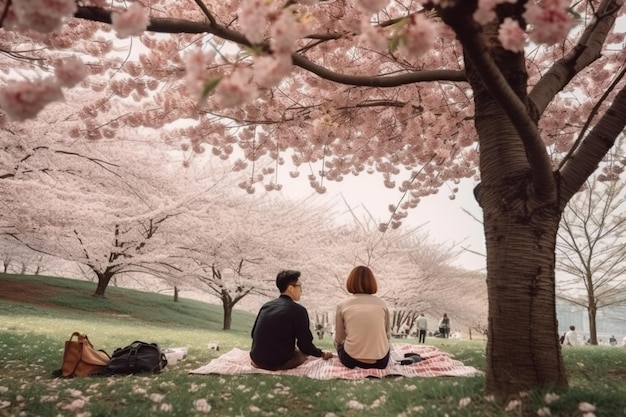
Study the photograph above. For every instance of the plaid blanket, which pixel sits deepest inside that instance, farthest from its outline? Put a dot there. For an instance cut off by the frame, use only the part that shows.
(435, 363)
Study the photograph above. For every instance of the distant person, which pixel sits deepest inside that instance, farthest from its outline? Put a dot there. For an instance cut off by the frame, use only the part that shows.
(422, 328)
(444, 326)
(362, 324)
(404, 330)
(613, 341)
(281, 325)
(571, 337)
(319, 329)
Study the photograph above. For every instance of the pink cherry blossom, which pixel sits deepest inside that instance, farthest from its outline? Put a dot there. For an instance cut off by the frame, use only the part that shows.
(41, 15)
(236, 89)
(253, 19)
(511, 35)
(373, 36)
(131, 22)
(417, 36)
(270, 70)
(22, 100)
(196, 75)
(550, 20)
(485, 12)
(70, 71)
(288, 28)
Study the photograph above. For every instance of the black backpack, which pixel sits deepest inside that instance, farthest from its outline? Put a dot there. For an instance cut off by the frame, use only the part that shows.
(137, 357)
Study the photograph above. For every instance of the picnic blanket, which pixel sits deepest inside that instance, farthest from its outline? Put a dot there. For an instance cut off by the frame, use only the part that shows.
(435, 363)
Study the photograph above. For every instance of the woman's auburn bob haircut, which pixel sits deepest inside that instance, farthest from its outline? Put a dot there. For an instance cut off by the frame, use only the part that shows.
(361, 281)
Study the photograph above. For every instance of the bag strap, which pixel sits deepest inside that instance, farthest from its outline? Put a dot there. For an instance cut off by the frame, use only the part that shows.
(84, 339)
(105, 352)
(132, 354)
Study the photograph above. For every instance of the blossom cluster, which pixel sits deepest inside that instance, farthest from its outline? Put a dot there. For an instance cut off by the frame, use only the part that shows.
(550, 22)
(265, 21)
(130, 22)
(23, 100)
(43, 16)
(274, 32)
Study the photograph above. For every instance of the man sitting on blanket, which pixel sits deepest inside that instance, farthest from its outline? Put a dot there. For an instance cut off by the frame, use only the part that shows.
(280, 323)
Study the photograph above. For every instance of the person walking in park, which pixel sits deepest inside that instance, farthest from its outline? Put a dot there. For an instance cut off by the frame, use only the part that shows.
(281, 325)
(362, 323)
(422, 327)
(444, 326)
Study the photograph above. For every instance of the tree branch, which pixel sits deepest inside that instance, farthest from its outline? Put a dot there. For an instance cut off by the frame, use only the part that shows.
(593, 148)
(494, 82)
(587, 50)
(162, 25)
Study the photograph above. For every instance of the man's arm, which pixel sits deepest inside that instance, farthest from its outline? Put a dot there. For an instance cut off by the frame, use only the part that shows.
(305, 337)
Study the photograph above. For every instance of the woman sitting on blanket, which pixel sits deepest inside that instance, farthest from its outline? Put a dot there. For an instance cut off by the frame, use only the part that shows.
(362, 325)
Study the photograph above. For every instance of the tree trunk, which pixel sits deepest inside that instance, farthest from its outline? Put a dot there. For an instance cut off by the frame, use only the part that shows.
(593, 331)
(228, 316)
(103, 282)
(523, 350)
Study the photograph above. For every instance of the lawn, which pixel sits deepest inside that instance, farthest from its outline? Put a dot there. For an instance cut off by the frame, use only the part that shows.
(34, 326)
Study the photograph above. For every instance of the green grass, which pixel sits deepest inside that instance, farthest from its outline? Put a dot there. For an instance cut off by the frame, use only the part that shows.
(32, 335)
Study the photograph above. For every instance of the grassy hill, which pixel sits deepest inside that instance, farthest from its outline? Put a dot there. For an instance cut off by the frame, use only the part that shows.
(71, 298)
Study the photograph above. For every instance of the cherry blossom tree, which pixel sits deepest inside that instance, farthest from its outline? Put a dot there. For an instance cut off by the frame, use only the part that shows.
(236, 251)
(527, 94)
(92, 232)
(591, 250)
(93, 209)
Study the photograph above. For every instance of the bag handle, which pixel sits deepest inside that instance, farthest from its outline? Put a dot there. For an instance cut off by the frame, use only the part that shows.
(82, 338)
(75, 334)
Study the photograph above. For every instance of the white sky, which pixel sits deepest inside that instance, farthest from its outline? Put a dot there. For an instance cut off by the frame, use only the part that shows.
(443, 219)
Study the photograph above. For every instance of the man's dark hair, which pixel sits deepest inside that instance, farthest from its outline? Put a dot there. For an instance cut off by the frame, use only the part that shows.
(286, 278)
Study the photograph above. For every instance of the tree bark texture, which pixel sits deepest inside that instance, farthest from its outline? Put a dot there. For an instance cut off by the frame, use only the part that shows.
(520, 225)
(522, 348)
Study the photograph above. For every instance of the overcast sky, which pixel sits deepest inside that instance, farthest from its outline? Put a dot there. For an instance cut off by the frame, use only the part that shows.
(442, 218)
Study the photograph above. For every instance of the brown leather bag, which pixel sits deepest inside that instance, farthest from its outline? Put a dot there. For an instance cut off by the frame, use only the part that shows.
(81, 359)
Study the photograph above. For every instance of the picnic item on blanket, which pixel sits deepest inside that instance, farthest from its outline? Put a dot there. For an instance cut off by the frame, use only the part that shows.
(410, 358)
(81, 359)
(434, 363)
(137, 357)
